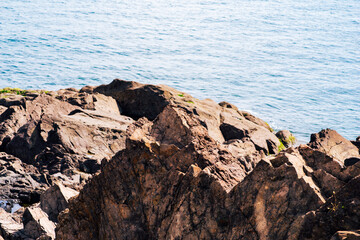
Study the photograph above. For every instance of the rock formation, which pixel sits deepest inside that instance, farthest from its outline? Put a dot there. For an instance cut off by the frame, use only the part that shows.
(151, 162)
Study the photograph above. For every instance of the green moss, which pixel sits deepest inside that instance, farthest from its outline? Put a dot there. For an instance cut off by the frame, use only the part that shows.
(181, 95)
(16, 91)
(190, 102)
(291, 139)
(281, 146)
(270, 128)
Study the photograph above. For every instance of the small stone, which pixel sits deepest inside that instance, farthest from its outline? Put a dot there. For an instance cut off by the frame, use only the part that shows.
(286, 137)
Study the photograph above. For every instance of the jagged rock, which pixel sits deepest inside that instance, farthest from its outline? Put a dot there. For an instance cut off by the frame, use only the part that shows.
(286, 137)
(19, 180)
(162, 157)
(136, 100)
(341, 212)
(59, 137)
(78, 131)
(12, 100)
(186, 169)
(37, 224)
(178, 179)
(333, 144)
(9, 227)
(221, 121)
(247, 115)
(55, 199)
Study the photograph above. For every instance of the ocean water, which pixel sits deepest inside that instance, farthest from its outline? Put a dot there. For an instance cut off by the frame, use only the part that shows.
(296, 64)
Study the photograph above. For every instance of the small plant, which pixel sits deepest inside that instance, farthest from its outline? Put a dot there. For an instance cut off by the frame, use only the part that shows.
(181, 95)
(335, 204)
(190, 102)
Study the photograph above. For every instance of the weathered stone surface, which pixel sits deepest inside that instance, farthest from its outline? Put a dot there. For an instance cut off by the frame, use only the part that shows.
(185, 169)
(136, 100)
(341, 212)
(57, 133)
(55, 199)
(9, 227)
(37, 223)
(19, 180)
(333, 144)
(222, 121)
(178, 179)
(247, 115)
(162, 158)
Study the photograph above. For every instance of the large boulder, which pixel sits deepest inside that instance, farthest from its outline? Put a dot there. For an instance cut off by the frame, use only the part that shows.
(286, 138)
(223, 121)
(333, 144)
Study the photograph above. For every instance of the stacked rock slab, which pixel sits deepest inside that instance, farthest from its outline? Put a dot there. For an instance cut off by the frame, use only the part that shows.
(57, 136)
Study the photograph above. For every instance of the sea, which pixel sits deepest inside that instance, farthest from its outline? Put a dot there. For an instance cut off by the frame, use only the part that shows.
(295, 64)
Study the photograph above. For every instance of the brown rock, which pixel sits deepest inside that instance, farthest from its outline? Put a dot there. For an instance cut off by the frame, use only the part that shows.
(37, 224)
(56, 135)
(175, 181)
(55, 199)
(341, 212)
(333, 144)
(19, 180)
(286, 137)
(9, 227)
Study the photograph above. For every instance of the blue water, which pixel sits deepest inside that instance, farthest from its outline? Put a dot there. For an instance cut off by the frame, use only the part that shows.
(296, 64)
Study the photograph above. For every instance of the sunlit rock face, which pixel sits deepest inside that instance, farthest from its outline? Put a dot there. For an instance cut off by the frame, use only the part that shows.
(134, 161)
(199, 170)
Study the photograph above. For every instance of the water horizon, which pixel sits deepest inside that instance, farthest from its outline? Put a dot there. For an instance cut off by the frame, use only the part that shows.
(294, 64)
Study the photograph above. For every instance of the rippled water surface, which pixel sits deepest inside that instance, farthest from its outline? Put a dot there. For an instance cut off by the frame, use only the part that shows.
(296, 64)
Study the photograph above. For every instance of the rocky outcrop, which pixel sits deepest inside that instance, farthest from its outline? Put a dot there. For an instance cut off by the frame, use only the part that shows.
(200, 171)
(54, 135)
(151, 162)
